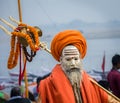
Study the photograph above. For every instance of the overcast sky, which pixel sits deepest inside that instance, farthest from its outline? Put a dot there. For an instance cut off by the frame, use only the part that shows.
(37, 12)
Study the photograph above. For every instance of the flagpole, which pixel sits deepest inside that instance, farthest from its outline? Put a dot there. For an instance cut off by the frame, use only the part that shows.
(103, 66)
(108, 92)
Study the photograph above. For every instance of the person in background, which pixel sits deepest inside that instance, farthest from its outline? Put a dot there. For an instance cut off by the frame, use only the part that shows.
(104, 84)
(32, 97)
(16, 96)
(68, 81)
(114, 75)
(41, 78)
(3, 97)
(2, 100)
(38, 82)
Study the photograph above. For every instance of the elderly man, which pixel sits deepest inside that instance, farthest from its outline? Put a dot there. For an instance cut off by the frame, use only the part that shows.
(68, 82)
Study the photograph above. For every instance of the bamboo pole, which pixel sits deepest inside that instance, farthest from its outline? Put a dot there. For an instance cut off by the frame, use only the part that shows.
(24, 59)
(104, 89)
(19, 11)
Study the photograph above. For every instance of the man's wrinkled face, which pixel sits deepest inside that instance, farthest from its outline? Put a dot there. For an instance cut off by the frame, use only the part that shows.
(70, 59)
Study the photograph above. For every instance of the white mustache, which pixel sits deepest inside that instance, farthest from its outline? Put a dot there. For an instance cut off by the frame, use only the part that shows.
(73, 69)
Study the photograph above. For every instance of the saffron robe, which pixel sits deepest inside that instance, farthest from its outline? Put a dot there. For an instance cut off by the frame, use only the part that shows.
(57, 89)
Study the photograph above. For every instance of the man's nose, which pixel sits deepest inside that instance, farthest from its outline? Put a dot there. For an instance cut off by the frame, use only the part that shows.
(72, 62)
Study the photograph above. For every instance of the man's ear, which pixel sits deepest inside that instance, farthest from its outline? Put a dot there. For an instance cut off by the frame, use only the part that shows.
(60, 59)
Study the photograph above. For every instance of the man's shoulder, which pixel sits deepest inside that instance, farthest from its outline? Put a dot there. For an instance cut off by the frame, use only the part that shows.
(19, 100)
(26, 99)
(114, 72)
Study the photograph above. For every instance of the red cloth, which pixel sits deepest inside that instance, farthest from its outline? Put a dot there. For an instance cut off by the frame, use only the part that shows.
(57, 89)
(68, 37)
(103, 63)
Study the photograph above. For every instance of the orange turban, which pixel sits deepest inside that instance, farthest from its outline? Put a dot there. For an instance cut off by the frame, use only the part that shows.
(68, 37)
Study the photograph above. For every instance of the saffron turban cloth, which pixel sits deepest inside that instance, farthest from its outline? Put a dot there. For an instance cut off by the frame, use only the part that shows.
(68, 37)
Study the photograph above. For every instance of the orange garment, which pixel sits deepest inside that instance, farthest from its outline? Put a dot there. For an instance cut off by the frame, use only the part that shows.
(68, 37)
(57, 89)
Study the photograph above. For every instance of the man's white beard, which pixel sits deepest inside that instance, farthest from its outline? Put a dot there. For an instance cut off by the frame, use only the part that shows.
(75, 76)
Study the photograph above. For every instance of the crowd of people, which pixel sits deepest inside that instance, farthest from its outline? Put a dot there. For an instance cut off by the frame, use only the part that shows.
(17, 93)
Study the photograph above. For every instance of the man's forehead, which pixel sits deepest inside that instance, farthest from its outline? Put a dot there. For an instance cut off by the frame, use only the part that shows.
(70, 50)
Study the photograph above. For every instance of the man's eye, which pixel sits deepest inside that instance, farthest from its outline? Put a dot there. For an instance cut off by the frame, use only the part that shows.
(76, 58)
(68, 59)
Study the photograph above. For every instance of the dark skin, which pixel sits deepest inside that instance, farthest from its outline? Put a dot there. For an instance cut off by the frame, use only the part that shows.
(116, 66)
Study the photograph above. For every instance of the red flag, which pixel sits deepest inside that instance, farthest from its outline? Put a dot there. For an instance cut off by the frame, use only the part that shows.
(103, 63)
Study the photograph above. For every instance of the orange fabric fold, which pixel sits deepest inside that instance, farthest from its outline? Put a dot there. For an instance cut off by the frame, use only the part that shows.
(91, 93)
(68, 37)
(57, 89)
